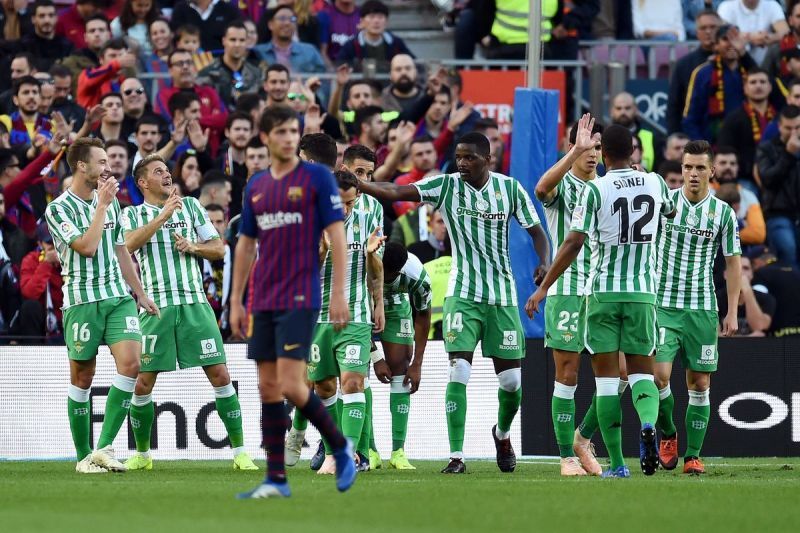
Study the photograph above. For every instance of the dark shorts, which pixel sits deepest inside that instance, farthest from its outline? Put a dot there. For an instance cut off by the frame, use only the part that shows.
(282, 334)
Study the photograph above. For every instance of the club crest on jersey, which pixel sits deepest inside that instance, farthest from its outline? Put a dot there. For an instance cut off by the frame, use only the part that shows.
(567, 336)
(450, 336)
(146, 359)
(498, 195)
(295, 194)
(692, 219)
(482, 205)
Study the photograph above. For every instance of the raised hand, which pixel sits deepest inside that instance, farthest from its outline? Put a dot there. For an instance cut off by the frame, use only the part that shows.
(173, 203)
(584, 140)
(375, 241)
(311, 86)
(95, 114)
(197, 136)
(107, 191)
(313, 119)
(184, 245)
(406, 131)
(179, 133)
(459, 114)
(343, 74)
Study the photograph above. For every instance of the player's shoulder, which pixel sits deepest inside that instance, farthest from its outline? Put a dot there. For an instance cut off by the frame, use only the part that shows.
(413, 266)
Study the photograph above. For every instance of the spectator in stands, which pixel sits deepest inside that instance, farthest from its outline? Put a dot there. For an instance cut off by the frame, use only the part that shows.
(231, 75)
(625, 113)
(371, 129)
(276, 84)
(135, 106)
(761, 22)
(742, 127)
(98, 33)
(62, 96)
(658, 20)
(253, 104)
(72, 21)
(210, 16)
(147, 136)
(45, 46)
(133, 22)
(706, 23)
(256, 157)
(47, 92)
(356, 93)
(782, 280)
(572, 21)
(308, 28)
(508, 37)
(437, 243)
(161, 44)
(756, 305)
(776, 61)
(302, 99)
(282, 49)
(217, 274)
(779, 171)
(216, 189)
(188, 173)
(238, 132)
(339, 21)
(95, 82)
(22, 65)
(118, 160)
(692, 9)
(213, 113)
(373, 41)
(792, 98)
(490, 128)
(672, 172)
(13, 242)
(752, 227)
(413, 226)
(636, 156)
(26, 123)
(40, 285)
(673, 148)
(423, 158)
(403, 91)
(716, 88)
(111, 123)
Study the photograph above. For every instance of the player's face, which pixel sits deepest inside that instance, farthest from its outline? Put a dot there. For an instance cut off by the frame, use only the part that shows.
(470, 163)
(349, 198)
(697, 171)
(282, 140)
(218, 220)
(588, 160)
(157, 181)
(362, 168)
(28, 98)
(118, 160)
(239, 134)
(96, 169)
(256, 160)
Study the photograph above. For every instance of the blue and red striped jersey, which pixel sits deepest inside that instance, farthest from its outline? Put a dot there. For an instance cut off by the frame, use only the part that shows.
(287, 217)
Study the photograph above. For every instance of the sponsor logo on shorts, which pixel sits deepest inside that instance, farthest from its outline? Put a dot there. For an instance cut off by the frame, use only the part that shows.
(405, 328)
(209, 349)
(352, 355)
(509, 340)
(132, 324)
(708, 354)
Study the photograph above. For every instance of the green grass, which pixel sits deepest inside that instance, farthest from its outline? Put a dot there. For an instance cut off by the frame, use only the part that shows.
(736, 495)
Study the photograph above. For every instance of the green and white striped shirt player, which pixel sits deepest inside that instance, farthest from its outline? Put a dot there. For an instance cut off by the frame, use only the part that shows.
(86, 279)
(412, 282)
(358, 226)
(619, 212)
(478, 223)
(370, 204)
(558, 212)
(687, 247)
(170, 277)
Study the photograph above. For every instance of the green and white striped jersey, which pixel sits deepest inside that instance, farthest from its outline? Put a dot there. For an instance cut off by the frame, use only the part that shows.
(687, 247)
(620, 213)
(86, 279)
(170, 277)
(370, 204)
(558, 212)
(358, 226)
(413, 282)
(478, 223)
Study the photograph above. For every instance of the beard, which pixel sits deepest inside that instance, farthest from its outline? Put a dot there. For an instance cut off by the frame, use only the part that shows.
(404, 85)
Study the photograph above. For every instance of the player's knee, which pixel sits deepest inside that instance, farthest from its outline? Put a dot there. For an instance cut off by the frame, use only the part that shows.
(325, 388)
(661, 381)
(698, 381)
(510, 380)
(128, 367)
(218, 376)
(143, 387)
(460, 370)
(567, 375)
(352, 383)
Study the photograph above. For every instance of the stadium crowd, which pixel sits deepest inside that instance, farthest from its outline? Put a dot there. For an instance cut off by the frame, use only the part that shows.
(74, 70)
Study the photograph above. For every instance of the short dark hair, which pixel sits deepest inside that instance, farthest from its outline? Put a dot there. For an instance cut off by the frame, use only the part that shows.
(60, 71)
(27, 56)
(215, 207)
(237, 24)
(373, 6)
(113, 44)
(147, 120)
(274, 116)
(186, 29)
(707, 13)
(110, 95)
(395, 256)
(176, 52)
(255, 143)
(358, 151)
(25, 80)
(6, 155)
(277, 67)
(364, 114)
(353, 83)
(181, 101)
(100, 17)
(789, 112)
(238, 115)
(669, 167)
(110, 143)
(757, 70)
(140, 170)
(477, 139)
(726, 150)
(699, 147)
(421, 139)
(795, 81)
(485, 123)
(80, 150)
(213, 178)
(573, 131)
(617, 142)
(247, 102)
(320, 147)
(270, 14)
(41, 3)
(345, 179)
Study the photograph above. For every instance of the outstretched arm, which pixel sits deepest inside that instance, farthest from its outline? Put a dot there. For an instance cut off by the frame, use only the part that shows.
(390, 192)
(567, 253)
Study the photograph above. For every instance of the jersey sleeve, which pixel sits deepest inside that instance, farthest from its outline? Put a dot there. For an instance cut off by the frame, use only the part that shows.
(119, 233)
(431, 189)
(248, 226)
(61, 223)
(129, 220)
(730, 234)
(584, 216)
(524, 211)
(202, 223)
(557, 192)
(668, 206)
(419, 289)
(329, 203)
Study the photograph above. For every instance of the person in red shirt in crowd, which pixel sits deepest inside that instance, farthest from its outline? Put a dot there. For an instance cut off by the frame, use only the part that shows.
(72, 21)
(93, 83)
(423, 159)
(40, 285)
(213, 114)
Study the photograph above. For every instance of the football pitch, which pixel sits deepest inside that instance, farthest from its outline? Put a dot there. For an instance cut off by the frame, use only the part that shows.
(756, 494)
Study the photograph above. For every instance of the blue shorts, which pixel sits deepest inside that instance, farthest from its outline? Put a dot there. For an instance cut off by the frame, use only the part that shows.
(285, 333)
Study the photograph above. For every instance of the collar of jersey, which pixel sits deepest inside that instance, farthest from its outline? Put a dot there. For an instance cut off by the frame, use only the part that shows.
(94, 197)
(488, 181)
(698, 204)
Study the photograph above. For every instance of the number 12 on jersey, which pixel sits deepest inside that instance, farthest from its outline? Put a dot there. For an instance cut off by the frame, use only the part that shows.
(642, 205)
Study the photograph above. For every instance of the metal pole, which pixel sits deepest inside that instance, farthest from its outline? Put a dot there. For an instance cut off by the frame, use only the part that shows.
(534, 43)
